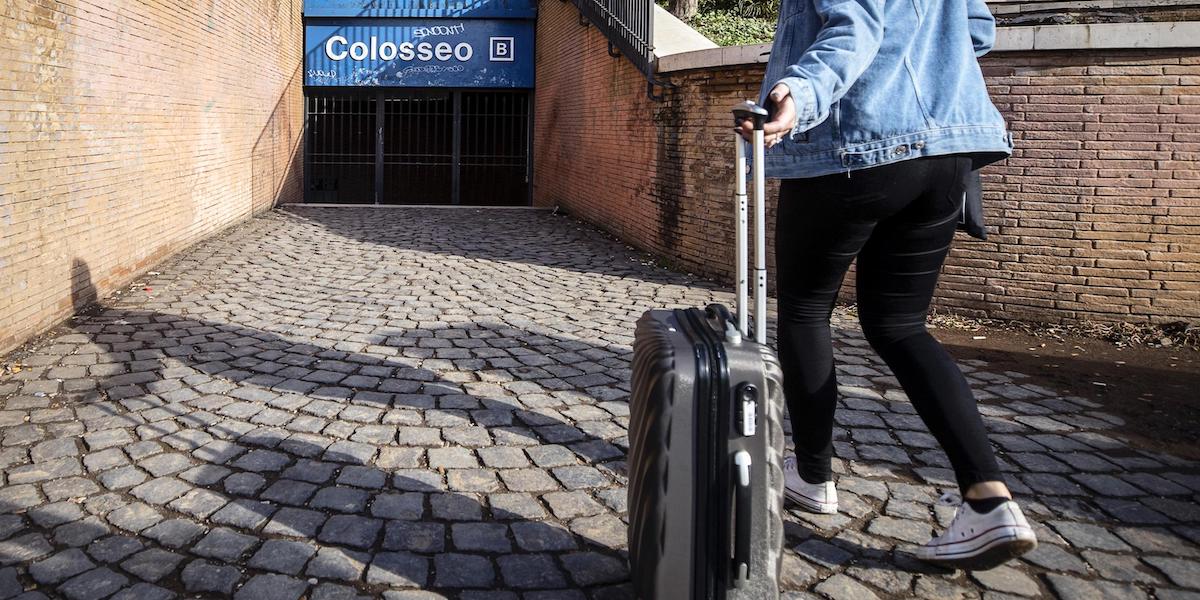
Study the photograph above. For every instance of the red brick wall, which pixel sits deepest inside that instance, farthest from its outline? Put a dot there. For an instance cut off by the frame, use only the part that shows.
(131, 129)
(595, 136)
(1096, 216)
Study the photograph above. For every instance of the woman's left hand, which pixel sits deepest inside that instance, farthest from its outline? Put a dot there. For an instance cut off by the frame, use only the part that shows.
(783, 118)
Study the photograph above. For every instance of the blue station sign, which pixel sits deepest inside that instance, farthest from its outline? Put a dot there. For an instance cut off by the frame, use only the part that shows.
(462, 9)
(405, 52)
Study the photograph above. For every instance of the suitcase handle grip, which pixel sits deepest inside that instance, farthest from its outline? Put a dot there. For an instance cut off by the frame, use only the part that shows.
(741, 519)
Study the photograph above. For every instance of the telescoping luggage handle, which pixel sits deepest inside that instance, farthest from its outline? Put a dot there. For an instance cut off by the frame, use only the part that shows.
(758, 116)
(748, 407)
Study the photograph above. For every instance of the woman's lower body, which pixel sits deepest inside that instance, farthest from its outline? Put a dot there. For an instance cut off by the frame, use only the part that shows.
(898, 220)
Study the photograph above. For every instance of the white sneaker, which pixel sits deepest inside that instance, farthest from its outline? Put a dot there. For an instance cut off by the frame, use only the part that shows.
(978, 542)
(819, 498)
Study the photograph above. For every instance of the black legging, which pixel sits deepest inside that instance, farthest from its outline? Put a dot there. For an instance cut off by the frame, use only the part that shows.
(899, 220)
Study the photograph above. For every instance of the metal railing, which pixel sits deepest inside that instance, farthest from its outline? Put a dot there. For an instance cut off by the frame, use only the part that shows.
(629, 27)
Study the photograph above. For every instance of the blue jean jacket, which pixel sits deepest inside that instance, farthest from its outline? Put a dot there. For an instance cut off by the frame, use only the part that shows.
(879, 81)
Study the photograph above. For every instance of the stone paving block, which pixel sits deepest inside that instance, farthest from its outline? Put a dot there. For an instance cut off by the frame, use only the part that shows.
(1089, 536)
(480, 537)
(1134, 512)
(603, 530)
(144, 591)
(540, 536)
(134, 517)
(61, 566)
(244, 484)
(295, 522)
(1007, 580)
(1054, 558)
(9, 584)
(261, 461)
(455, 507)
(53, 515)
(152, 565)
(452, 458)
(244, 514)
(283, 556)
(160, 491)
(350, 452)
(350, 530)
(515, 506)
(114, 548)
(199, 503)
(531, 571)
(311, 471)
(472, 480)
(165, 464)
(341, 499)
(286, 491)
(1072, 588)
(175, 533)
(398, 569)
(842, 587)
(331, 591)
(339, 564)
(93, 585)
(1181, 572)
(205, 475)
(580, 477)
(224, 544)
(463, 571)
(1187, 512)
(362, 477)
(592, 568)
(271, 587)
(420, 537)
(913, 532)
(408, 506)
(823, 553)
(201, 576)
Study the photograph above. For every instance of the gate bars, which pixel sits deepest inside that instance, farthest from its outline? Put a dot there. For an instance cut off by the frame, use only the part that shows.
(629, 27)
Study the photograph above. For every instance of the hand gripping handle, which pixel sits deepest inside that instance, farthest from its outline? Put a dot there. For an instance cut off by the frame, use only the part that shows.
(751, 111)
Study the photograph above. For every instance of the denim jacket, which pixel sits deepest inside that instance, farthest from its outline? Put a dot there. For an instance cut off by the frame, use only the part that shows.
(879, 81)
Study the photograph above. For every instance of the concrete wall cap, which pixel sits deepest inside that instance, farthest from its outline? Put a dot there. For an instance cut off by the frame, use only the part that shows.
(1101, 36)
(672, 36)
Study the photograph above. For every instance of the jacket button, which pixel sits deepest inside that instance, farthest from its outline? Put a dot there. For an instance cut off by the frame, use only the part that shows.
(903, 149)
(919, 145)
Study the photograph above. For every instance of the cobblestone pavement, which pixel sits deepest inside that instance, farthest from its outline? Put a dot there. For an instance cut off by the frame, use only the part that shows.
(346, 403)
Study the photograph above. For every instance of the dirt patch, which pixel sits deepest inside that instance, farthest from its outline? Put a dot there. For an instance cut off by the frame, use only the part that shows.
(1155, 390)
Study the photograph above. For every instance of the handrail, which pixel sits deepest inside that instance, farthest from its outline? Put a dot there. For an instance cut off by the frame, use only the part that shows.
(629, 27)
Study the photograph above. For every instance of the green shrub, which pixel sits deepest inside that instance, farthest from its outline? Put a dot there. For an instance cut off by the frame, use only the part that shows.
(727, 28)
(758, 9)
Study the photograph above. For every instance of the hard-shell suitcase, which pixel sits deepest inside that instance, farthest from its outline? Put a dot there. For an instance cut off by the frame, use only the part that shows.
(706, 443)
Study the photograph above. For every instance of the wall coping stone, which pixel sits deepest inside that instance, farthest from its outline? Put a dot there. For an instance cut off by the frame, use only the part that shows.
(672, 36)
(1099, 36)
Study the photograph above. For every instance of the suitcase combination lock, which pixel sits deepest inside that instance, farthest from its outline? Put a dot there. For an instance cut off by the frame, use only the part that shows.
(748, 410)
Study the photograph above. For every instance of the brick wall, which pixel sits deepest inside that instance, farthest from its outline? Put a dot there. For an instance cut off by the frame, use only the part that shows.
(131, 129)
(1096, 216)
(592, 117)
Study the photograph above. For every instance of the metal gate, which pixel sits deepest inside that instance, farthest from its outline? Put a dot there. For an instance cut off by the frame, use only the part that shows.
(418, 147)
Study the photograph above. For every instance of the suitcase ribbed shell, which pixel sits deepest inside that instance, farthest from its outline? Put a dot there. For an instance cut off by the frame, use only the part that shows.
(662, 485)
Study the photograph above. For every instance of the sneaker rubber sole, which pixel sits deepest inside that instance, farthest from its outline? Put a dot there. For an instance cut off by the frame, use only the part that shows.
(810, 505)
(990, 555)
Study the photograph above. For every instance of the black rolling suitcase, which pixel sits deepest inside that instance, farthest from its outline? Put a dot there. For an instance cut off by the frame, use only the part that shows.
(705, 436)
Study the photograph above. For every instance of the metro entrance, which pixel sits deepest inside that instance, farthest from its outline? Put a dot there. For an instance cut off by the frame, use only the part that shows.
(418, 102)
(426, 146)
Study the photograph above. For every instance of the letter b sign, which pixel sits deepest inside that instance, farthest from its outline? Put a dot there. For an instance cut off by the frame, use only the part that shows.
(502, 49)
